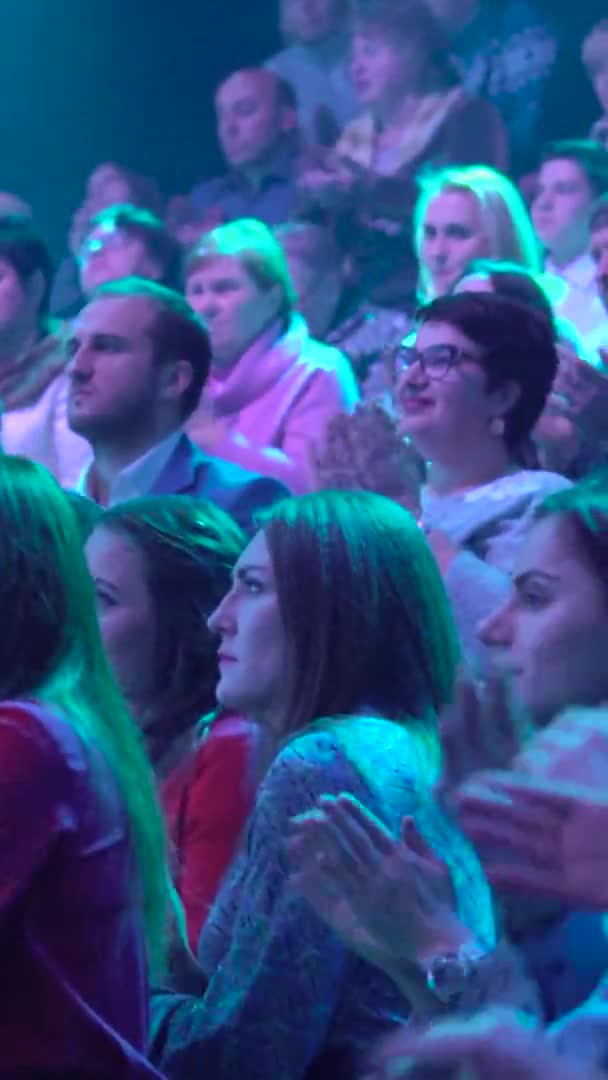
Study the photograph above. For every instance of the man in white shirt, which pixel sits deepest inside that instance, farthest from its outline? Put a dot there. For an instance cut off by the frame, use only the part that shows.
(139, 359)
(572, 175)
(598, 226)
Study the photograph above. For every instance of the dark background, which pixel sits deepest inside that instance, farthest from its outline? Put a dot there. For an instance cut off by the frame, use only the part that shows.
(84, 81)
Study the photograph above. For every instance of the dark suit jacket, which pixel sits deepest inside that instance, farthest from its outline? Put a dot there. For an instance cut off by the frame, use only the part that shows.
(239, 492)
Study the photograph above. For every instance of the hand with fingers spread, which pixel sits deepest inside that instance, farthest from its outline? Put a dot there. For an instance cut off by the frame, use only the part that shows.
(479, 730)
(543, 837)
(391, 901)
(493, 1045)
(364, 452)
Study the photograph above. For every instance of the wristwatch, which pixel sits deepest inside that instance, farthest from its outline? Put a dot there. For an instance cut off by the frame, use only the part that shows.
(450, 974)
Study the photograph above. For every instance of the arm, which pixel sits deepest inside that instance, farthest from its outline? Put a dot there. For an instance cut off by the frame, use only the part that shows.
(270, 1001)
(219, 801)
(325, 394)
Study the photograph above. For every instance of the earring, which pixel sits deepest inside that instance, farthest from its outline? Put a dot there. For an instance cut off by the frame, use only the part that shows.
(497, 427)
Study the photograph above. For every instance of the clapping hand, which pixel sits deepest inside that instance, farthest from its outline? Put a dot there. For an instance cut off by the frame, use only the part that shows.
(364, 452)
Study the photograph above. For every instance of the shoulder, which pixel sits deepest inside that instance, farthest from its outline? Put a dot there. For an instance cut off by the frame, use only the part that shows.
(229, 484)
(43, 735)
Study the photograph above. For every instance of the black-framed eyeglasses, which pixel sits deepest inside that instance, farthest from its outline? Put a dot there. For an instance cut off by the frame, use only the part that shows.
(436, 360)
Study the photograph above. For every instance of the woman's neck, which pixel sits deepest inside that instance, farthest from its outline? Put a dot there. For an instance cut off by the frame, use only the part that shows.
(452, 476)
(392, 116)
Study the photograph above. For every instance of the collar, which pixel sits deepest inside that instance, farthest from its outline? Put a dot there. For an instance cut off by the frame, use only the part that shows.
(279, 168)
(579, 274)
(136, 479)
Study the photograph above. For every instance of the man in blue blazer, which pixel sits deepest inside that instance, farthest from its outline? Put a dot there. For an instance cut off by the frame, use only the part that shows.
(139, 360)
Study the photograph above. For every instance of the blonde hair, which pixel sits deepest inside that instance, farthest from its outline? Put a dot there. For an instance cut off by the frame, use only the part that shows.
(256, 248)
(594, 50)
(504, 216)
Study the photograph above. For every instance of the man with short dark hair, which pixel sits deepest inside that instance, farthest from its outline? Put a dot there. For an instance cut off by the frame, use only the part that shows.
(257, 127)
(139, 359)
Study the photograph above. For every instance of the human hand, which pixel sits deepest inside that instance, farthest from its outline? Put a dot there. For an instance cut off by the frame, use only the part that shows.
(390, 900)
(493, 1045)
(539, 837)
(582, 392)
(479, 730)
(363, 451)
(572, 749)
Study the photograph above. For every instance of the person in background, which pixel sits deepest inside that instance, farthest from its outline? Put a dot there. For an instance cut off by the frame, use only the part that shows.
(32, 356)
(126, 241)
(86, 897)
(345, 693)
(594, 54)
(506, 52)
(414, 113)
(598, 250)
(257, 128)
(464, 214)
(315, 62)
(317, 270)
(138, 361)
(160, 566)
(572, 175)
(14, 206)
(108, 185)
(272, 388)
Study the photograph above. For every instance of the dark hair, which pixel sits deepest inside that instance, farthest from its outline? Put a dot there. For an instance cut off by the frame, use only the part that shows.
(599, 214)
(514, 282)
(585, 509)
(517, 345)
(153, 233)
(189, 548)
(178, 333)
(410, 22)
(87, 513)
(23, 246)
(590, 156)
(364, 610)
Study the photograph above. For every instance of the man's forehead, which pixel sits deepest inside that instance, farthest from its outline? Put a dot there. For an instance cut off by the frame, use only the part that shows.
(129, 315)
(246, 84)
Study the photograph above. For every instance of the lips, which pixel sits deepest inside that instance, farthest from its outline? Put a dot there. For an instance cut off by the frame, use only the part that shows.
(223, 658)
(413, 405)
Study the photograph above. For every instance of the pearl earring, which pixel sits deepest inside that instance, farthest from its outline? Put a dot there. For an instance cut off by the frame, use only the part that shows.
(497, 427)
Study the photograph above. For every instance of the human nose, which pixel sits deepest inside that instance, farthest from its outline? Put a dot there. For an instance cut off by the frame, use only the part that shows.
(497, 629)
(221, 621)
(80, 366)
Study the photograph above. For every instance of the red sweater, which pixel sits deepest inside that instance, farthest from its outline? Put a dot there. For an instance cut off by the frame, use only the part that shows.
(207, 800)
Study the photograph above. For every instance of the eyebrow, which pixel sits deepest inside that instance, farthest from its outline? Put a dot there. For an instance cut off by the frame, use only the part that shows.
(105, 584)
(240, 571)
(521, 579)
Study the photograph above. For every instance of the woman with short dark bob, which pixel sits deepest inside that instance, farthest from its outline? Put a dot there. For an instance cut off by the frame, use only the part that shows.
(160, 566)
(84, 876)
(336, 639)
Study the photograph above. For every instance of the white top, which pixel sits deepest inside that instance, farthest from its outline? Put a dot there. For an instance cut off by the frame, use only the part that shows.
(581, 304)
(137, 479)
(41, 432)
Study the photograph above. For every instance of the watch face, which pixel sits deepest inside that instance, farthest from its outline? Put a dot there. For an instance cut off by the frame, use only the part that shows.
(448, 975)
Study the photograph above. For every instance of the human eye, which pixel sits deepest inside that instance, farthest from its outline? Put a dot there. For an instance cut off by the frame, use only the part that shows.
(459, 232)
(532, 597)
(104, 599)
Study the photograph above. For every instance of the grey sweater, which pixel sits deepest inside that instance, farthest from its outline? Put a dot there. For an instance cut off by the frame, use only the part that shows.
(489, 525)
(283, 990)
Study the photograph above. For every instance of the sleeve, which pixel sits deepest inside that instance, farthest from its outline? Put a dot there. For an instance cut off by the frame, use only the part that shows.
(35, 788)
(269, 1003)
(219, 803)
(325, 395)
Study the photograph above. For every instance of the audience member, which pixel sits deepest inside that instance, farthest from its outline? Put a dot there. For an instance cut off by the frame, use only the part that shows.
(126, 241)
(505, 52)
(85, 879)
(108, 185)
(14, 206)
(160, 567)
(257, 127)
(272, 388)
(32, 356)
(315, 63)
(572, 174)
(415, 113)
(358, 716)
(317, 269)
(139, 359)
(464, 214)
(598, 228)
(595, 58)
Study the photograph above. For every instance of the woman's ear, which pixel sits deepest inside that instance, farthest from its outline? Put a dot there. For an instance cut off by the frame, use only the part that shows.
(503, 398)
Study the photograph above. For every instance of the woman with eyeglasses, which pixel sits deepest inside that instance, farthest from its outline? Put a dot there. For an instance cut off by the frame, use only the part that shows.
(469, 393)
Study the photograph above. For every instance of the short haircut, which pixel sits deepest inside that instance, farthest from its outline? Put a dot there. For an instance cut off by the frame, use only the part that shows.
(259, 252)
(177, 334)
(598, 218)
(286, 96)
(409, 24)
(587, 154)
(153, 233)
(514, 282)
(23, 246)
(517, 345)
